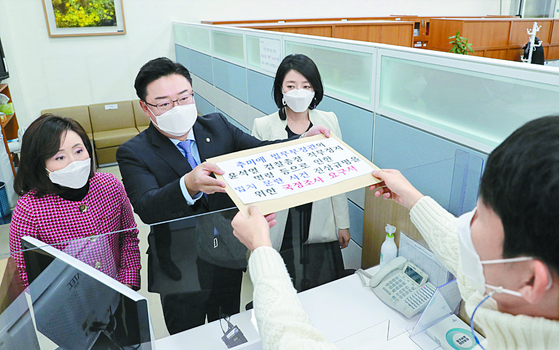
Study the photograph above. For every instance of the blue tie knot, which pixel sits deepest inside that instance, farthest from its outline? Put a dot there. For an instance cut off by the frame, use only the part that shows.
(186, 146)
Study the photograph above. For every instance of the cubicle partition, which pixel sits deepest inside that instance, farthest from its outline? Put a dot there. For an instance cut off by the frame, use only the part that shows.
(433, 115)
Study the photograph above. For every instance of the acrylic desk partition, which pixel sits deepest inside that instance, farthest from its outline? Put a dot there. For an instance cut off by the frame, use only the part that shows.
(48, 315)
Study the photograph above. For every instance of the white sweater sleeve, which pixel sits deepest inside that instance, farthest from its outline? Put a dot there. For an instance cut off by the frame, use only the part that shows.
(282, 321)
(438, 227)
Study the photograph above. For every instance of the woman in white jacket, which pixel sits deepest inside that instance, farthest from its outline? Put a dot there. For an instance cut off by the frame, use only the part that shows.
(297, 92)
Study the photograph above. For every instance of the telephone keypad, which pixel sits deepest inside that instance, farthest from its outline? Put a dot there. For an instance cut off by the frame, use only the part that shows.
(420, 296)
(398, 288)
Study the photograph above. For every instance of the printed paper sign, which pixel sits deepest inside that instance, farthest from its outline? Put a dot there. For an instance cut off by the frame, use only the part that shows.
(291, 170)
(313, 192)
(270, 55)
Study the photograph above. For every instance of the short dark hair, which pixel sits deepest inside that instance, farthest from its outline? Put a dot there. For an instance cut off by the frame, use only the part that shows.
(308, 69)
(155, 69)
(40, 142)
(521, 184)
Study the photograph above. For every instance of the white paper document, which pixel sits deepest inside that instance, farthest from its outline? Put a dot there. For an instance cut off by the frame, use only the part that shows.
(270, 54)
(292, 169)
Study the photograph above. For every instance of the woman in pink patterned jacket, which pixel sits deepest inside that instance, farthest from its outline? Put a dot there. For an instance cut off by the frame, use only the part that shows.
(64, 201)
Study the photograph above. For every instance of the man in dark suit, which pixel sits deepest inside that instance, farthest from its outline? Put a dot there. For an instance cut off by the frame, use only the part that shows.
(166, 177)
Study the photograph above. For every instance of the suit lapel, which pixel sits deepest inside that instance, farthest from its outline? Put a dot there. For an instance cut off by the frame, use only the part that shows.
(204, 142)
(168, 152)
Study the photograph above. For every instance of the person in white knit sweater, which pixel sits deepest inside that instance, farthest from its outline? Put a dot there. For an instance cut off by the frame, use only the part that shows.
(503, 253)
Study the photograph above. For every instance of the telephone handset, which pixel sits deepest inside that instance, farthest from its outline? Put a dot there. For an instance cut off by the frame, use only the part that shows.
(402, 286)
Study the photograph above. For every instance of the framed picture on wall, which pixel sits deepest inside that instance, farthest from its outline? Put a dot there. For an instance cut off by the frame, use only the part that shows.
(84, 17)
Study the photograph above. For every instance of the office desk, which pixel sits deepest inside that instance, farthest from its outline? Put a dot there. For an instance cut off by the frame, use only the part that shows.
(348, 314)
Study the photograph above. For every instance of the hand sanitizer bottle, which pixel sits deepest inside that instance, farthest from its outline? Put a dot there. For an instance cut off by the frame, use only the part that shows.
(388, 250)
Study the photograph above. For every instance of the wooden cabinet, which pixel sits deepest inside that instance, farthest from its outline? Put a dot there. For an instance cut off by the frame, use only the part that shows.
(501, 38)
(421, 40)
(385, 32)
(420, 29)
(9, 126)
(342, 28)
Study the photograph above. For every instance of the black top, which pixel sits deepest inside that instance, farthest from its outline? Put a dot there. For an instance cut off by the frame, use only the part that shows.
(74, 195)
(291, 133)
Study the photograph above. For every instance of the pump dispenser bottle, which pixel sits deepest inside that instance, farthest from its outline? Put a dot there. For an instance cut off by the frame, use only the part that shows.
(388, 250)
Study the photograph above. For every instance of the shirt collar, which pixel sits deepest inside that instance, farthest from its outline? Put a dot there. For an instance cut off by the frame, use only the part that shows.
(190, 136)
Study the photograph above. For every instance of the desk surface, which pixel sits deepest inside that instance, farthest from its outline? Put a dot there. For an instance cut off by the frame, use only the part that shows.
(348, 314)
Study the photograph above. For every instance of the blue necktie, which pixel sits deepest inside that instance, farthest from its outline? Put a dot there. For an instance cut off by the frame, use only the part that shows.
(186, 147)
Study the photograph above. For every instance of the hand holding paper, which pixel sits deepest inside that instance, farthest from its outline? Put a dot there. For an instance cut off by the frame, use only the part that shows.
(253, 231)
(271, 218)
(317, 130)
(199, 179)
(395, 186)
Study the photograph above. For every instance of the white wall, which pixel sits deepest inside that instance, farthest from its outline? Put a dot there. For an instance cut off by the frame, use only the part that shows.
(57, 72)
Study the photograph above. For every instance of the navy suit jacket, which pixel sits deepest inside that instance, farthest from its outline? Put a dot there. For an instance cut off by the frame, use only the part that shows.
(151, 167)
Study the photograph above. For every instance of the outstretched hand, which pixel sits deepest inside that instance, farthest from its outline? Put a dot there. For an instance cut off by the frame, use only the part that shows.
(253, 231)
(395, 186)
(200, 179)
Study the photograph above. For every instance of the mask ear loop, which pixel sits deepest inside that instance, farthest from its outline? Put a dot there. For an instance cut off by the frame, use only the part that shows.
(153, 121)
(498, 290)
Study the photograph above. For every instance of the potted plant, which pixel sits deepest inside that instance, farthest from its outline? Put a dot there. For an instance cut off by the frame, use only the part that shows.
(460, 45)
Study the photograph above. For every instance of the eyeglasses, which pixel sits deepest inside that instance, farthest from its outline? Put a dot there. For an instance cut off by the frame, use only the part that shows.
(165, 106)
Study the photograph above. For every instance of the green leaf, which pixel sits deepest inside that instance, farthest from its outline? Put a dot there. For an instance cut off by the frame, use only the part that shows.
(460, 45)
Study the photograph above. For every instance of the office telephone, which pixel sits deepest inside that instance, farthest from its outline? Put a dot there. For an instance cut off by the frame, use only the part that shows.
(402, 286)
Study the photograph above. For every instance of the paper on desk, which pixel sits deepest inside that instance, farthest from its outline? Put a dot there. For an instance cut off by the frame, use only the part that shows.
(424, 259)
(285, 175)
(359, 310)
(365, 339)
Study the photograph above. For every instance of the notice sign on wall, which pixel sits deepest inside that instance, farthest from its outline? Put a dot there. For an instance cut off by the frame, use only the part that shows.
(270, 55)
(288, 174)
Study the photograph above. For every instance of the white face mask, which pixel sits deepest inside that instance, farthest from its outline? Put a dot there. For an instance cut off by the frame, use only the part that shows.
(298, 100)
(177, 121)
(472, 266)
(74, 175)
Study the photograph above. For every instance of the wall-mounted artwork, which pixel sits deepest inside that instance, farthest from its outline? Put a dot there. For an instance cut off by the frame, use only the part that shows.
(84, 17)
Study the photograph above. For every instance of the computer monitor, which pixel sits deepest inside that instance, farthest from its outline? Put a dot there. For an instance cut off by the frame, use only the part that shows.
(79, 307)
(16, 327)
